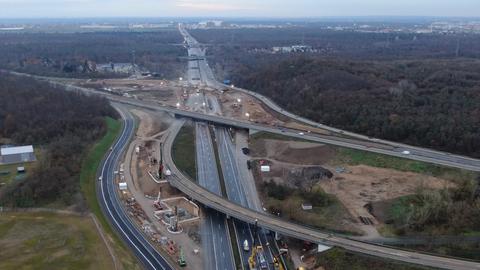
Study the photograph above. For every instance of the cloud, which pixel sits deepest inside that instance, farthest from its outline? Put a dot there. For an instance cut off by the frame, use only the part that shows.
(211, 6)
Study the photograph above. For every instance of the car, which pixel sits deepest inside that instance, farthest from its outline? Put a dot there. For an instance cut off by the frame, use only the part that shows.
(100, 178)
(301, 133)
(406, 152)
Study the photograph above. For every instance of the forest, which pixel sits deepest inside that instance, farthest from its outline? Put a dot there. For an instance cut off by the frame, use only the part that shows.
(422, 91)
(62, 124)
(77, 54)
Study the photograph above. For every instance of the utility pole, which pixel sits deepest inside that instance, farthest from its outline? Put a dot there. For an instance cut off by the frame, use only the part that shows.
(160, 165)
(457, 49)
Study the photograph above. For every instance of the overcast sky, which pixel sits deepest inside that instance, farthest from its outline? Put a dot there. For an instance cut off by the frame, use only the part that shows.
(235, 8)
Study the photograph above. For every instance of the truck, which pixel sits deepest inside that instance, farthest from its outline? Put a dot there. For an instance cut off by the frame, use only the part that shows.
(246, 247)
(181, 259)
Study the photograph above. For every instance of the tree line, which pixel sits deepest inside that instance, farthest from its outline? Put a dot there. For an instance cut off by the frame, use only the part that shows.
(420, 89)
(62, 124)
(76, 54)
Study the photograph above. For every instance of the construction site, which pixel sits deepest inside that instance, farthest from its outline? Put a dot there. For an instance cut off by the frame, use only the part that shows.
(168, 218)
(300, 169)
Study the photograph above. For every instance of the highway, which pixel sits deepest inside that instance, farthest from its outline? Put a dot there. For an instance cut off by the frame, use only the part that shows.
(191, 189)
(215, 234)
(417, 153)
(445, 160)
(236, 192)
(371, 145)
(112, 206)
(298, 231)
(286, 228)
(201, 195)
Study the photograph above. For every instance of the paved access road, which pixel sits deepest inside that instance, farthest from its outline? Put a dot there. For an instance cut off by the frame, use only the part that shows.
(112, 206)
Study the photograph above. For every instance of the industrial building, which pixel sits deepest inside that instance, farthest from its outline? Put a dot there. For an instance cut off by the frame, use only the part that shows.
(17, 154)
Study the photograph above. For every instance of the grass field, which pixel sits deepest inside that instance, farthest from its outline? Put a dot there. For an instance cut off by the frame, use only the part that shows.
(183, 151)
(357, 157)
(327, 217)
(88, 181)
(51, 241)
(273, 136)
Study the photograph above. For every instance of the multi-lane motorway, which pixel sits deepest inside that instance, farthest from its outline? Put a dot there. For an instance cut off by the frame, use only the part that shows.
(294, 230)
(112, 206)
(215, 234)
(236, 192)
(152, 260)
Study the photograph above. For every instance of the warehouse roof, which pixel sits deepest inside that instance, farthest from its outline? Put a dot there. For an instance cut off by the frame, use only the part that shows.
(16, 150)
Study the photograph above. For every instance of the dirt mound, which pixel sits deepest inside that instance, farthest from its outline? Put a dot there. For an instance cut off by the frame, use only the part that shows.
(304, 153)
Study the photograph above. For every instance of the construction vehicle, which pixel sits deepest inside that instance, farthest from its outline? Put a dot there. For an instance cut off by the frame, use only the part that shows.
(261, 258)
(257, 253)
(277, 264)
(181, 259)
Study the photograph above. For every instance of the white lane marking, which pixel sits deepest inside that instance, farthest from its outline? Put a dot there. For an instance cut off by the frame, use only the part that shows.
(106, 204)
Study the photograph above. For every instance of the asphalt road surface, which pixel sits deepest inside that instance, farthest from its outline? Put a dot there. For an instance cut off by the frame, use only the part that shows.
(112, 206)
(215, 234)
(236, 192)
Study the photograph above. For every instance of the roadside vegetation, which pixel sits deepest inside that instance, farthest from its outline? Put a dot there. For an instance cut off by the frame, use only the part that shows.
(51, 241)
(88, 179)
(183, 151)
(327, 212)
(339, 259)
(452, 211)
(358, 157)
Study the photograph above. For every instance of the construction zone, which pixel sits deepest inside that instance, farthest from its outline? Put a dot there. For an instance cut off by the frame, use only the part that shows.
(169, 219)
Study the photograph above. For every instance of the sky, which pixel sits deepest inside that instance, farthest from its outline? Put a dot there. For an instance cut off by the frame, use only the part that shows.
(235, 8)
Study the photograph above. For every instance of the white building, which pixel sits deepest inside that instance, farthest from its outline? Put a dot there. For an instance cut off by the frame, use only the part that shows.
(17, 154)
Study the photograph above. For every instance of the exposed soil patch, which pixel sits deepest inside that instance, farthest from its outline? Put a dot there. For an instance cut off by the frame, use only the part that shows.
(152, 123)
(360, 185)
(295, 152)
(354, 186)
